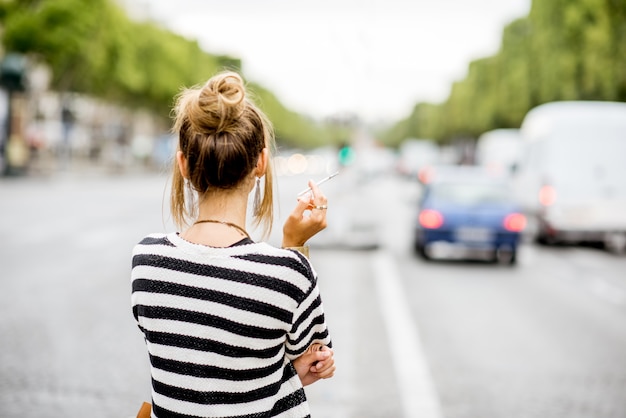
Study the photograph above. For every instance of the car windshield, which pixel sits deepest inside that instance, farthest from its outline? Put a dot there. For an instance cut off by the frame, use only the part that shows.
(468, 193)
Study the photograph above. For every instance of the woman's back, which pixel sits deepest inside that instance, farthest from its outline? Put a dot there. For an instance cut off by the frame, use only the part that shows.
(222, 324)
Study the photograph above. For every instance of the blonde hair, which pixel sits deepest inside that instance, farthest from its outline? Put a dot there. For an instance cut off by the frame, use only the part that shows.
(221, 133)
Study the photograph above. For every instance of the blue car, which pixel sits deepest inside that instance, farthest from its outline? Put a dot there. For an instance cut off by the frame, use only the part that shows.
(466, 212)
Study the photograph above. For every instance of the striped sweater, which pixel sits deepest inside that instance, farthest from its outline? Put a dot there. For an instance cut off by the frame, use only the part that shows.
(222, 325)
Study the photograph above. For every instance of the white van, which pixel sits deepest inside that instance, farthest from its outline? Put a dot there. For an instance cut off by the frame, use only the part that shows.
(572, 175)
(416, 154)
(499, 150)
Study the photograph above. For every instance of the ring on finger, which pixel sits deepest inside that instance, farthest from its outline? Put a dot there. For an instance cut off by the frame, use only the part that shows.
(320, 207)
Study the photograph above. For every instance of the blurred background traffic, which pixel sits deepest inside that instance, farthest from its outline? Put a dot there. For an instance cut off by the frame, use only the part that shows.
(499, 209)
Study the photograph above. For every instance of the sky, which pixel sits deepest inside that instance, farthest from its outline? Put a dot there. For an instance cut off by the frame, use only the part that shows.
(372, 58)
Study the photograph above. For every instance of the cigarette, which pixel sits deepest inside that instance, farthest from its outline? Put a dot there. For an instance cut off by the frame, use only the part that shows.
(324, 180)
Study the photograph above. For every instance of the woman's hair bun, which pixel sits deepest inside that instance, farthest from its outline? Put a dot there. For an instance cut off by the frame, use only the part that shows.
(228, 87)
(220, 102)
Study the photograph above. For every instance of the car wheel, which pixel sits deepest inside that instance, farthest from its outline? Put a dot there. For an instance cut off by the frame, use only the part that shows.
(546, 239)
(506, 256)
(615, 242)
(545, 235)
(420, 249)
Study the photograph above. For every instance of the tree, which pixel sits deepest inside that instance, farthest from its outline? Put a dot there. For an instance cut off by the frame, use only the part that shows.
(563, 50)
(92, 47)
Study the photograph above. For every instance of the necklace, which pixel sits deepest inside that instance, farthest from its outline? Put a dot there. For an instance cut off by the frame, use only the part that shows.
(232, 225)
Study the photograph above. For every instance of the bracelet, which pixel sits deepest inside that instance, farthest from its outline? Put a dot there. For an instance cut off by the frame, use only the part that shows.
(304, 250)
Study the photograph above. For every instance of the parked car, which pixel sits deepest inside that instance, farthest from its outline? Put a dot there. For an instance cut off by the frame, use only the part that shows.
(468, 212)
(572, 177)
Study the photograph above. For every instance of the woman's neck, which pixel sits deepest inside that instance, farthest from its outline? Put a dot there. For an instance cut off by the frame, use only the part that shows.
(224, 208)
(225, 212)
(223, 215)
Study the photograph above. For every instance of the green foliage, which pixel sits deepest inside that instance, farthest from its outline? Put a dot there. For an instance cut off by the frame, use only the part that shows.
(92, 47)
(564, 50)
(423, 122)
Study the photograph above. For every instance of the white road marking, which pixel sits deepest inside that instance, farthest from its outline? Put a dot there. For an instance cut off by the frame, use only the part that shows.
(417, 389)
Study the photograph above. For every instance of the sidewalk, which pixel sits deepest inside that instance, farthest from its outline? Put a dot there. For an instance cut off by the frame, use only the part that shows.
(47, 165)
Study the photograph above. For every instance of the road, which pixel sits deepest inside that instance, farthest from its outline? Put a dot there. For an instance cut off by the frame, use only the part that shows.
(451, 339)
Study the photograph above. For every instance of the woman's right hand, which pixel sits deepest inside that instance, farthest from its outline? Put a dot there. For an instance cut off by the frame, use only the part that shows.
(317, 362)
(300, 226)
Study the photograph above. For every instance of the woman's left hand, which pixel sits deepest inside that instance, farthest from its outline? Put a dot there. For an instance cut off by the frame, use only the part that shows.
(299, 227)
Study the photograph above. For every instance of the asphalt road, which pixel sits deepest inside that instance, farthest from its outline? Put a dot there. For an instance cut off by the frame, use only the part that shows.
(442, 339)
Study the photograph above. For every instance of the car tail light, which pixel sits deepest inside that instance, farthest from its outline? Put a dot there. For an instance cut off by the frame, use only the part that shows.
(514, 222)
(430, 219)
(547, 195)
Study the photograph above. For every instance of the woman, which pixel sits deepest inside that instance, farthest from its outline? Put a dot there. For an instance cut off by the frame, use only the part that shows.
(233, 328)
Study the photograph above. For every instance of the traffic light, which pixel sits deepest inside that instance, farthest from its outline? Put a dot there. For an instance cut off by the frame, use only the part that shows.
(346, 155)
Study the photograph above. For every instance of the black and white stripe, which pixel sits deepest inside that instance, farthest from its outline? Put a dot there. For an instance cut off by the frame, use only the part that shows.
(222, 324)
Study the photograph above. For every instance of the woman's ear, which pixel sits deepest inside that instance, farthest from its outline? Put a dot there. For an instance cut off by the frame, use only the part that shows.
(182, 164)
(261, 165)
